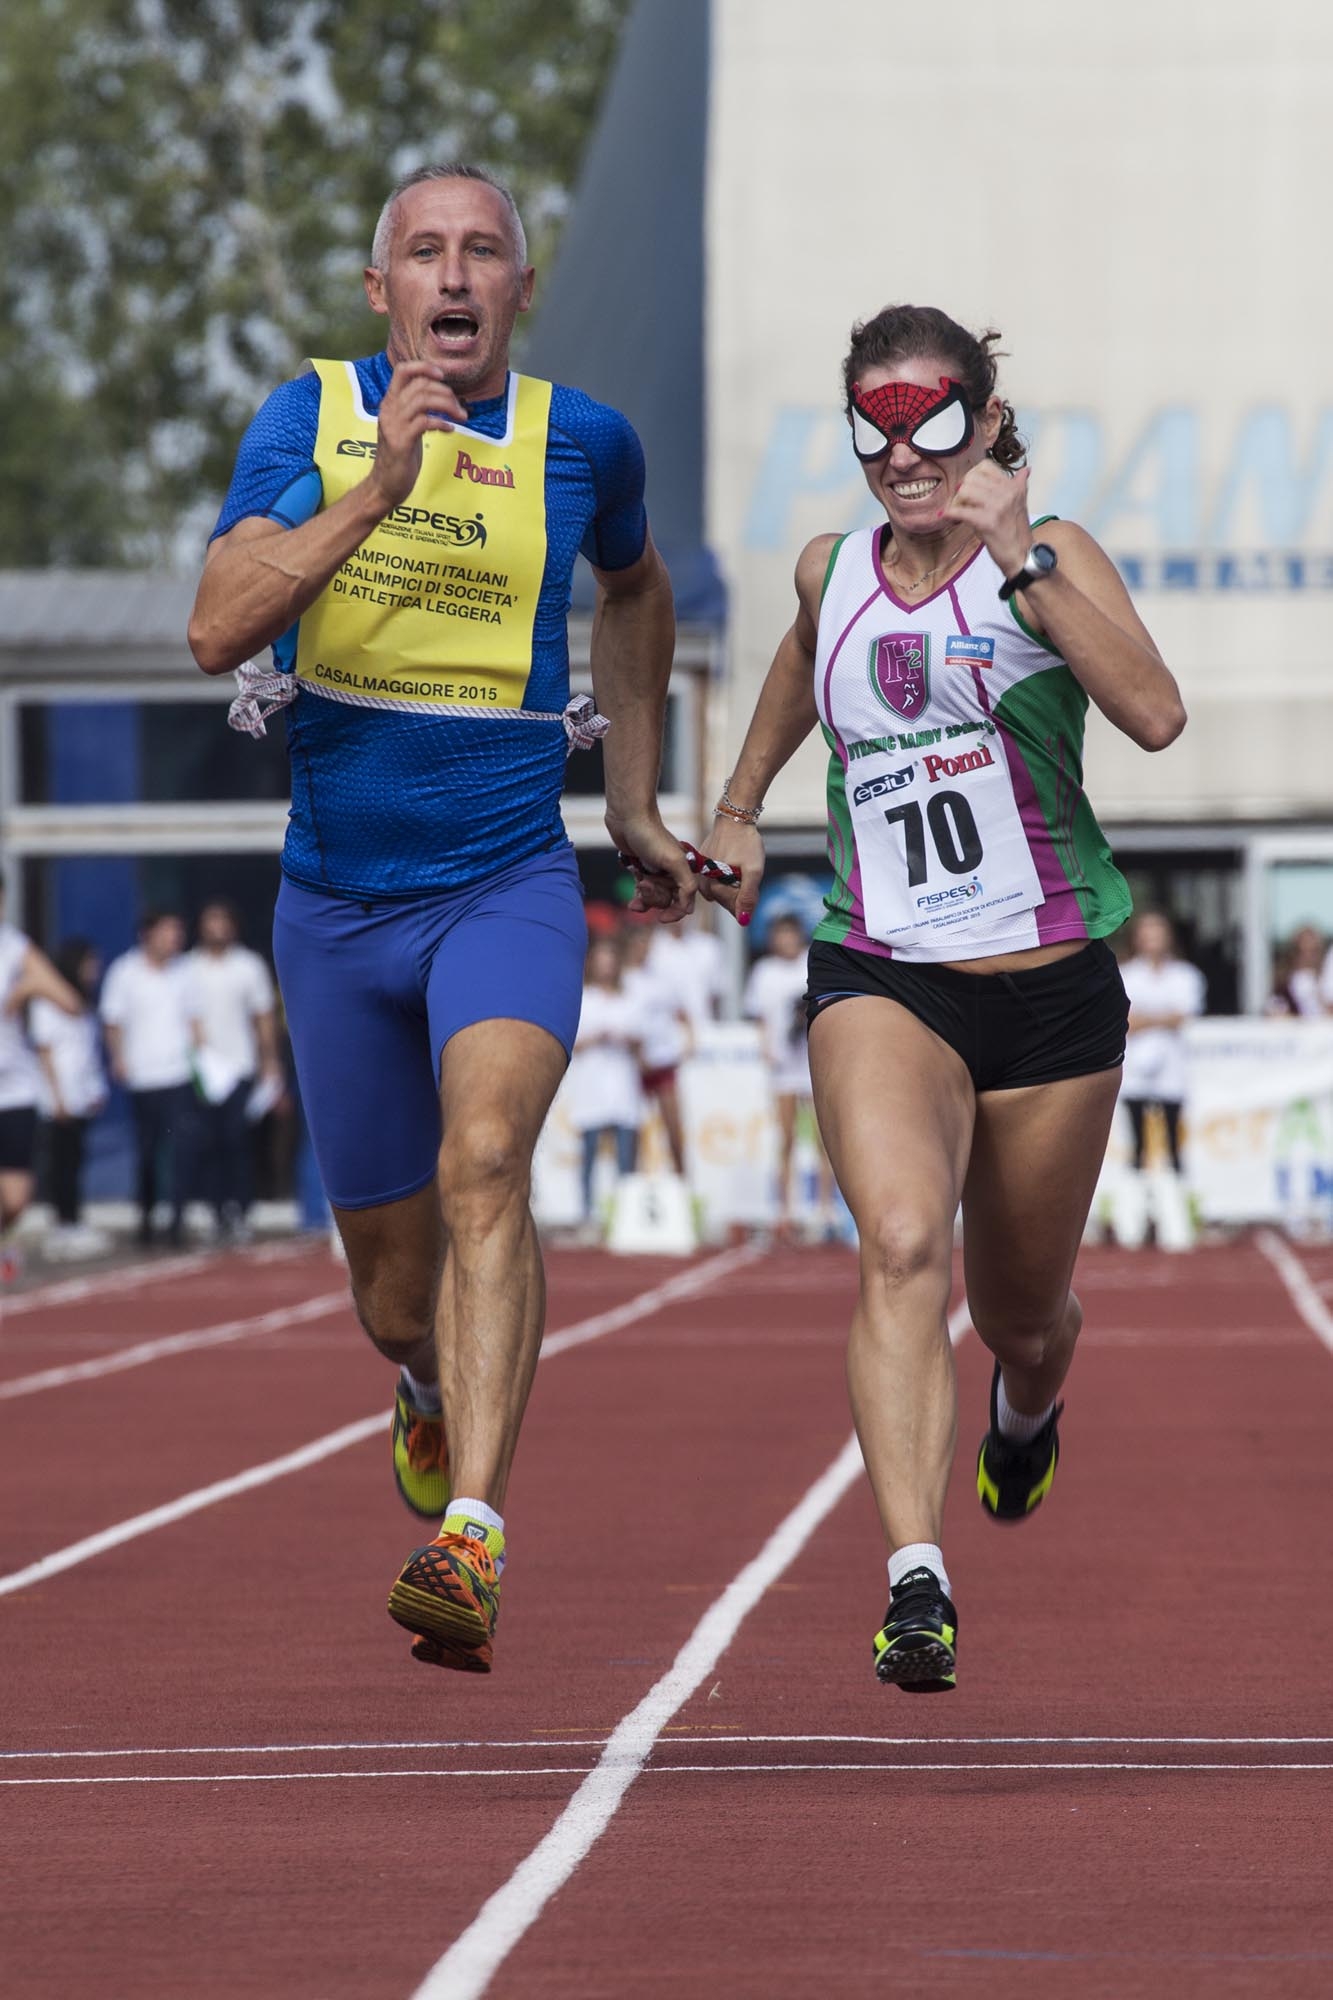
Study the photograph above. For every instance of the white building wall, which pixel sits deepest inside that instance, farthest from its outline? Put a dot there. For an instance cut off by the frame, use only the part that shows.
(1138, 198)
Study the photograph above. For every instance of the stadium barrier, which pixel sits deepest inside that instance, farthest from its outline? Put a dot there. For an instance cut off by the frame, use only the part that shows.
(1258, 1134)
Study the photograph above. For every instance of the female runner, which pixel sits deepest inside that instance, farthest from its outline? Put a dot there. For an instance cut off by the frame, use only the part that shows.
(967, 1021)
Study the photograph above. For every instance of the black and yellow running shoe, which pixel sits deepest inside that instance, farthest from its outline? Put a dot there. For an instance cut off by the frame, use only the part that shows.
(420, 1456)
(1013, 1478)
(916, 1647)
(448, 1596)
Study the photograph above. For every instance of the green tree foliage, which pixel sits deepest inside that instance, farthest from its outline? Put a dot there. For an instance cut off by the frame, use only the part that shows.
(187, 194)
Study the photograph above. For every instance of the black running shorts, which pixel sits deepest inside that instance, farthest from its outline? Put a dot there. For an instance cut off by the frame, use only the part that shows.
(18, 1139)
(1011, 1029)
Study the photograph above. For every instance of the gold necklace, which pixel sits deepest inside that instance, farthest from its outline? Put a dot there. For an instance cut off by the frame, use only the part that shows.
(916, 582)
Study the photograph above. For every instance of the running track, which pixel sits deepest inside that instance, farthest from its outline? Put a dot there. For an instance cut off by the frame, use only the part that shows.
(222, 1775)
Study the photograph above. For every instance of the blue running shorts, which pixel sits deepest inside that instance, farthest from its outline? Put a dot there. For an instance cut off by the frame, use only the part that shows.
(373, 991)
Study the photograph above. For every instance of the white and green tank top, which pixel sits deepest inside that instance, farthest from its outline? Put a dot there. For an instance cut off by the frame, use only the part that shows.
(958, 823)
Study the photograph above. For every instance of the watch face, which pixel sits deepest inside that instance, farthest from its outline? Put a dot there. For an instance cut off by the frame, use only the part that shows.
(1041, 559)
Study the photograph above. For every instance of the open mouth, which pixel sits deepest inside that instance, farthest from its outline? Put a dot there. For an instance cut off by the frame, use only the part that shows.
(914, 489)
(455, 328)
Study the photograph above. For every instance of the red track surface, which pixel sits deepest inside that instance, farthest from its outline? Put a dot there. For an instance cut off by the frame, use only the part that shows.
(784, 1837)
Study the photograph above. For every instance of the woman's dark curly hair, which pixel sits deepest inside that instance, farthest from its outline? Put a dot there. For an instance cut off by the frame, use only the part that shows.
(69, 958)
(915, 333)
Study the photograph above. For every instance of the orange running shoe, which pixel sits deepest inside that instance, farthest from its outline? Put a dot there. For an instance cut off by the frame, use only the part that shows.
(448, 1596)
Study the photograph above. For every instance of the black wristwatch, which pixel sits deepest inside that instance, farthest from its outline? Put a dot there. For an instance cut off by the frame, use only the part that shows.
(1039, 561)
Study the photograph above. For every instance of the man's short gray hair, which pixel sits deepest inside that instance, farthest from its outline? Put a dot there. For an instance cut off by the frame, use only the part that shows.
(452, 170)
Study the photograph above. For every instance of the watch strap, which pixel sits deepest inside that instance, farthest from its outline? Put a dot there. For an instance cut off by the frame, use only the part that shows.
(1029, 571)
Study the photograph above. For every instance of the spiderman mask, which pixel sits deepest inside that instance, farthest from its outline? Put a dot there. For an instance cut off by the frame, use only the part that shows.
(938, 423)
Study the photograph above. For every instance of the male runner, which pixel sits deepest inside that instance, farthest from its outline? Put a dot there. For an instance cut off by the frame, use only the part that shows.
(402, 531)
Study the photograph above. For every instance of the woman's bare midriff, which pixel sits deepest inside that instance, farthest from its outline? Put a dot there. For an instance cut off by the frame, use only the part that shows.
(1019, 961)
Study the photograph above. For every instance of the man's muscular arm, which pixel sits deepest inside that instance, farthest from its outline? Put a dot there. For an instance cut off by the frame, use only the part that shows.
(633, 638)
(259, 577)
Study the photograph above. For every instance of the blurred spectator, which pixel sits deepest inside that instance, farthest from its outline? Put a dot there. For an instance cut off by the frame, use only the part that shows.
(775, 998)
(237, 1069)
(70, 1050)
(25, 974)
(1298, 987)
(145, 1009)
(693, 965)
(1164, 992)
(275, 1129)
(603, 1091)
(666, 1036)
(603, 919)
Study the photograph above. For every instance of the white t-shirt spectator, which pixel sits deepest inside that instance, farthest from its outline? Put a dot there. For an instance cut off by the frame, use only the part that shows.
(1325, 981)
(1155, 1057)
(74, 1046)
(693, 964)
(773, 995)
(602, 1087)
(20, 1073)
(1306, 990)
(150, 1005)
(661, 1032)
(227, 990)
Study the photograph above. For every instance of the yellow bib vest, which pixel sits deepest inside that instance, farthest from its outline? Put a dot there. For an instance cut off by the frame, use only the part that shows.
(434, 612)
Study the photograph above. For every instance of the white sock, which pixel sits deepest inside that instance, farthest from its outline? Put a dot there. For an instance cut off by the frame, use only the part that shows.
(1013, 1423)
(475, 1510)
(426, 1395)
(917, 1555)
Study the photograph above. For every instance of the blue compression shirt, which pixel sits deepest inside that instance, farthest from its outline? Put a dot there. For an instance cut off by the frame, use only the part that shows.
(442, 801)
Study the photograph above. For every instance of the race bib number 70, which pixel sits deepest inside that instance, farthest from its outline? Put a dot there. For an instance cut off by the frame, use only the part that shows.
(940, 842)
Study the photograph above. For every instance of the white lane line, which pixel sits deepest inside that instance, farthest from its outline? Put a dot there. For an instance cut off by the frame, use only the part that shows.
(930, 1742)
(463, 1992)
(321, 1448)
(314, 1777)
(328, 1302)
(978, 1764)
(193, 1338)
(1300, 1287)
(311, 1749)
(722, 1739)
(467, 1966)
(128, 1278)
(134, 1277)
(193, 1503)
(682, 1287)
(465, 1970)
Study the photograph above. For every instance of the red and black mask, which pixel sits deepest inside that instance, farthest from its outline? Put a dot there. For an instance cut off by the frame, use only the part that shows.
(938, 423)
